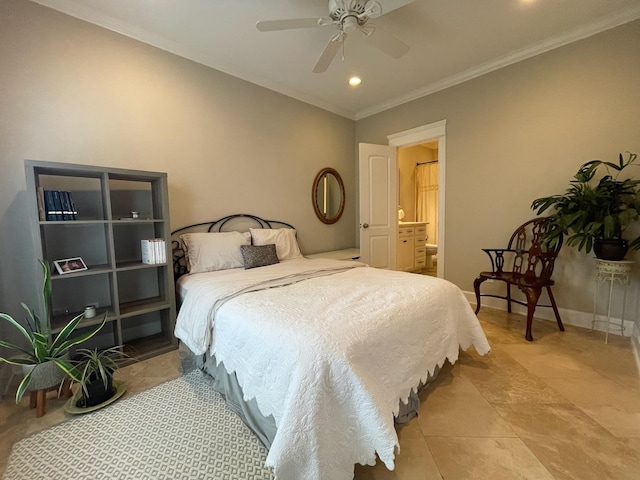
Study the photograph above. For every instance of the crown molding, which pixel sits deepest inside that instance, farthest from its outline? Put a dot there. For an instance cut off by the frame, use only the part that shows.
(620, 18)
(91, 16)
(94, 17)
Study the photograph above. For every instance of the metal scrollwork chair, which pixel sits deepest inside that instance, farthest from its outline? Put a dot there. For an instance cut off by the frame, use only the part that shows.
(530, 269)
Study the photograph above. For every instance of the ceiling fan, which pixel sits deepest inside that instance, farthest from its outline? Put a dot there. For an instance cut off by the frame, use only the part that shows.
(347, 16)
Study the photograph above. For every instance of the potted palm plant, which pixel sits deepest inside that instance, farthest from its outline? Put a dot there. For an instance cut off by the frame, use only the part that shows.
(96, 369)
(595, 214)
(46, 356)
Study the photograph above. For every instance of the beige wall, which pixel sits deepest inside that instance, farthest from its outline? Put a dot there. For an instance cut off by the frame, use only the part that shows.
(73, 92)
(520, 133)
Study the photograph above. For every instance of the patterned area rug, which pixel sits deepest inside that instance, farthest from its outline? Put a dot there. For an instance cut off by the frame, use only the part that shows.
(181, 429)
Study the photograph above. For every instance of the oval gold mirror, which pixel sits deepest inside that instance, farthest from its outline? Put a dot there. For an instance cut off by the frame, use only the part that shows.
(327, 196)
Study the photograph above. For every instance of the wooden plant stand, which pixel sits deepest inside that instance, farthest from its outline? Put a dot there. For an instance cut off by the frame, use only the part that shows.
(38, 398)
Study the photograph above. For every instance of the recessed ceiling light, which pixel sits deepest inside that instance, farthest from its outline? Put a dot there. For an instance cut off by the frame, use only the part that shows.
(355, 81)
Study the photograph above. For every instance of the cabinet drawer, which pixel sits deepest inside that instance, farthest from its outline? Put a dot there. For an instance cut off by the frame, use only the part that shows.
(421, 230)
(406, 242)
(420, 239)
(421, 262)
(405, 231)
(421, 250)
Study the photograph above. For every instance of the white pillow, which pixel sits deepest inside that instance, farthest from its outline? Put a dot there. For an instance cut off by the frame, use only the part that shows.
(207, 252)
(284, 239)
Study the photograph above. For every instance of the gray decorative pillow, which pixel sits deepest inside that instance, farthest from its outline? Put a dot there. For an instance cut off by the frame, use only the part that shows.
(259, 255)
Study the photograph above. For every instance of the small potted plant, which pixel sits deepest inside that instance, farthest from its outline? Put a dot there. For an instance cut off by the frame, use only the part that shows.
(45, 359)
(593, 214)
(96, 369)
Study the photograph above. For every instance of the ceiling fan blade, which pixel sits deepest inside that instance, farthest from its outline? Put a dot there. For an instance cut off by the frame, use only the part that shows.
(329, 53)
(289, 24)
(386, 42)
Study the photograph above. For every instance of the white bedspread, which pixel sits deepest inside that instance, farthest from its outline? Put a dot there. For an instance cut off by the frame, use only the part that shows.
(313, 352)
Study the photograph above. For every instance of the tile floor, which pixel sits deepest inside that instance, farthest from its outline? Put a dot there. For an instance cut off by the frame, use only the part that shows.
(432, 271)
(565, 406)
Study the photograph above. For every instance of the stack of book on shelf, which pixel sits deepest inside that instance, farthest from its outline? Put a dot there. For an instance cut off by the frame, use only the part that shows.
(56, 205)
(153, 250)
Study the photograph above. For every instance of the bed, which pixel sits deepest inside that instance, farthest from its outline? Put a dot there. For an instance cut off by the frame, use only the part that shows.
(318, 356)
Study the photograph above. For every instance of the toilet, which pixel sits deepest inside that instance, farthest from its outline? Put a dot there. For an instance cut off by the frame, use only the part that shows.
(431, 250)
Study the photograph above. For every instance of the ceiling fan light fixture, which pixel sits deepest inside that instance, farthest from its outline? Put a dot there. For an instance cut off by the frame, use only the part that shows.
(348, 17)
(350, 24)
(355, 81)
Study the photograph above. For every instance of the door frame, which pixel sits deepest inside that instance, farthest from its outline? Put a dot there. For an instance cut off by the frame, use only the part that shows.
(429, 133)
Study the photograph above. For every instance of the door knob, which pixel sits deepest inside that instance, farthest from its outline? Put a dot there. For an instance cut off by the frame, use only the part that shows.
(365, 225)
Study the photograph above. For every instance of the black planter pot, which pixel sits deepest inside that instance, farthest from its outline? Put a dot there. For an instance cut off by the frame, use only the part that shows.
(613, 250)
(96, 393)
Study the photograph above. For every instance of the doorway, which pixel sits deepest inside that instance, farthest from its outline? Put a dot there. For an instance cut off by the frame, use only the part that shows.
(429, 141)
(418, 195)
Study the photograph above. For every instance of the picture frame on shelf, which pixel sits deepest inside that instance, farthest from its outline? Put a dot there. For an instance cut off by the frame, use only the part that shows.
(70, 265)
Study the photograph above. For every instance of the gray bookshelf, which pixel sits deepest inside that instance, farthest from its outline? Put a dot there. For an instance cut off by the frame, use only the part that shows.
(138, 298)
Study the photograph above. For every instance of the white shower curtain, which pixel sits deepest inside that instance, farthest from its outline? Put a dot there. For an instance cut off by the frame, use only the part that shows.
(427, 198)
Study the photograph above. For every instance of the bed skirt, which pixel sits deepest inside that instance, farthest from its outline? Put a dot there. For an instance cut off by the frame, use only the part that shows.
(264, 427)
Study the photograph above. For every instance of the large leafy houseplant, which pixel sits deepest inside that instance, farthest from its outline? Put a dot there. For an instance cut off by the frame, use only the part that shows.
(591, 211)
(42, 345)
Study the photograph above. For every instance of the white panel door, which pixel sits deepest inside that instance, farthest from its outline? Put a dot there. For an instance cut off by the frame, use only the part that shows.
(378, 209)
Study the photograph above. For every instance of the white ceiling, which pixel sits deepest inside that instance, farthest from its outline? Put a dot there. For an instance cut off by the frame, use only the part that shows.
(450, 41)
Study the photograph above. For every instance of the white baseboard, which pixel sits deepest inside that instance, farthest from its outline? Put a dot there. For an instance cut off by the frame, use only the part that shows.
(569, 317)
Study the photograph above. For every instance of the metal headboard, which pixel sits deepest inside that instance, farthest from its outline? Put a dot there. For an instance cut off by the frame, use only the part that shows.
(240, 222)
